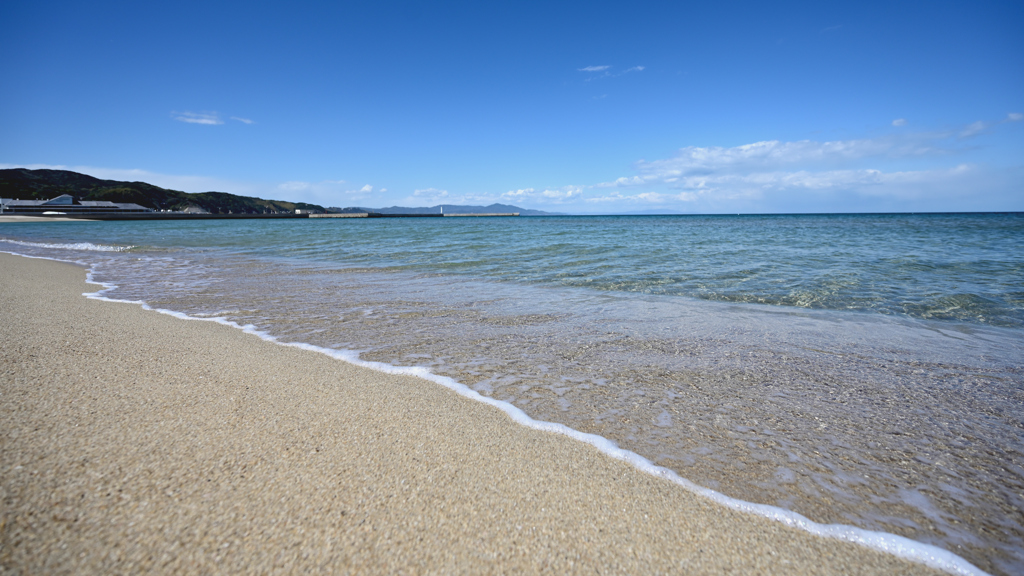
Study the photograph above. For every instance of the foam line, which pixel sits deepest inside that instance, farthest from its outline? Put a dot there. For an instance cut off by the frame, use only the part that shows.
(74, 246)
(920, 552)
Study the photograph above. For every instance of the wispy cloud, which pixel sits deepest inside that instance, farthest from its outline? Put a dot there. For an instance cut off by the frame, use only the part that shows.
(759, 185)
(208, 118)
(548, 195)
(648, 197)
(327, 192)
(974, 129)
(431, 196)
(899, 122)
(605, 71)
(830, 29)
(869, 167)
(1014, 117)
(626, 181)
(771, 155)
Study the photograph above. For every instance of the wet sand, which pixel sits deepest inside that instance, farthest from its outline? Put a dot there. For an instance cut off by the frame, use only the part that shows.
(132, 441)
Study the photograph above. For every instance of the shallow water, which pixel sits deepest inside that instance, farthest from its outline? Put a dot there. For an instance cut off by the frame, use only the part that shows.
(864, 370)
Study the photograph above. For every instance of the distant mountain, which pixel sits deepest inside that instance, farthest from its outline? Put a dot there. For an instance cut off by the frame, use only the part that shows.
(26, 184)
(451, 209)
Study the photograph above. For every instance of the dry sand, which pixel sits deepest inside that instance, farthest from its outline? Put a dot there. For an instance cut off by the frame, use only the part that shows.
(132, 441)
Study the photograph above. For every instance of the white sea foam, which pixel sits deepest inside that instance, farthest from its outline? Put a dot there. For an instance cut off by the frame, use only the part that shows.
(72, 246)
(900, 546)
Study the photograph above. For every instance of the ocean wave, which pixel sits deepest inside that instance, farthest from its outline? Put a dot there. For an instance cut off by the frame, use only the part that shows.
(72, 246)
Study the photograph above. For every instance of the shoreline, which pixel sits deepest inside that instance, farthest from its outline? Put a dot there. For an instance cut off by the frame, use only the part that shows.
(239, 455)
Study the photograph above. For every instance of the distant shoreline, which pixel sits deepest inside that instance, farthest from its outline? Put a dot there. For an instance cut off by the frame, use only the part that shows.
(185, 216)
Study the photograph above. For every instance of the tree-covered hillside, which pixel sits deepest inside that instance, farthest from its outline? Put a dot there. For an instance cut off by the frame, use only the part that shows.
(25, 184)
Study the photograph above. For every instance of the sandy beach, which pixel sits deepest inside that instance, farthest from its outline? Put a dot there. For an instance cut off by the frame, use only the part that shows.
(132, 441)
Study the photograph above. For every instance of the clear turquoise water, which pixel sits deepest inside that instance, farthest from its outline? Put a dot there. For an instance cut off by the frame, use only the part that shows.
(966, 267)
(861, 369)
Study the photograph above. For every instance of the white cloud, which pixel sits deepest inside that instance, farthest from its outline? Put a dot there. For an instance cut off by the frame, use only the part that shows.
(294, 186)
(1014, 117)
(899, 122)
(974, 129)
(648, 197)
(606, 73)
(326, 192)
(761, 187)
(770, 155)
(521, 193)
(767, 173)
(550, 195)
(563, 193)
(429, 192)
(208, 118)
(759, 182)
(763, 164)
(625, 181)
(431, 196)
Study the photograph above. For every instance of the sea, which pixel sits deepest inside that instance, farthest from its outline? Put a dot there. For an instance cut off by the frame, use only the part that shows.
(864, 370)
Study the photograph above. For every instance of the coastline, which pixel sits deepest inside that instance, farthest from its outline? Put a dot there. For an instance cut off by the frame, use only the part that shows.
(208, 449)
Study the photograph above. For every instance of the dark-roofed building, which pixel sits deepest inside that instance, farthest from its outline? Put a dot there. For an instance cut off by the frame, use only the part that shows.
(67, 204)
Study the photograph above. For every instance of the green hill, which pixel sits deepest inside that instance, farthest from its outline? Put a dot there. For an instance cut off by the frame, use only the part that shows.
(25, 184)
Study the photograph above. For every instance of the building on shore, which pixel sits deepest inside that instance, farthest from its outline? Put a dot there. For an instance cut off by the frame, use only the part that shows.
(67, 204)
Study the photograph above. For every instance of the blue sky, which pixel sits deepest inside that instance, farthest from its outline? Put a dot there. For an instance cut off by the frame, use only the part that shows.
(581, 107)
